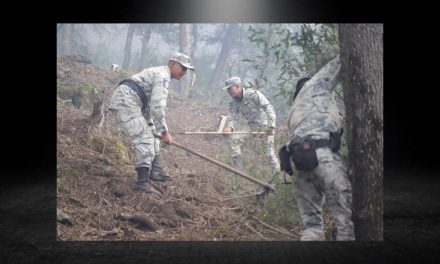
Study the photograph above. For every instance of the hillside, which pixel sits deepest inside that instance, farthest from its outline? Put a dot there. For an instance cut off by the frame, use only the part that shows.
(95, 174)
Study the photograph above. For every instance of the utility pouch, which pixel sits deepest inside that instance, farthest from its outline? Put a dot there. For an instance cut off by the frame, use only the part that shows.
(304, 155)
(284, 155)
(335, 140)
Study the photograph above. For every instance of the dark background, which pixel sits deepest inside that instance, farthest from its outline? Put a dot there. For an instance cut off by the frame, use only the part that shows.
(28, 118)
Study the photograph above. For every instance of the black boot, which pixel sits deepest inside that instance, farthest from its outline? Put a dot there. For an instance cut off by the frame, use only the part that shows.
(143, 183)
(157, 173)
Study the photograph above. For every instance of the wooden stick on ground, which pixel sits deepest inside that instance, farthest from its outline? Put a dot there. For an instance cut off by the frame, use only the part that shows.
(236, 197)
(255, 231)
(276, 229)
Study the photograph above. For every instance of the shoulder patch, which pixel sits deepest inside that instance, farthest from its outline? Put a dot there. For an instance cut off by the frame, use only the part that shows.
(166, 83)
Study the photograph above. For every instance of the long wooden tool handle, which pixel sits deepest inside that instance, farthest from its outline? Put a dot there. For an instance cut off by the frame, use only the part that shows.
(221, 133)
(261, 183)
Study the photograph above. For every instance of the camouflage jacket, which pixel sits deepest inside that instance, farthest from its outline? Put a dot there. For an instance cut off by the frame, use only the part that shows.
(157, 81)
(254, 107)
(315, 112)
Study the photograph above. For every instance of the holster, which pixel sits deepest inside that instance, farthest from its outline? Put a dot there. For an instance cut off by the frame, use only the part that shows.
(304, 154)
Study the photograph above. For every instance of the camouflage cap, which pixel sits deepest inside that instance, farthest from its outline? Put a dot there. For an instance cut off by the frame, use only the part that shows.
(231, 81)
(182, 59)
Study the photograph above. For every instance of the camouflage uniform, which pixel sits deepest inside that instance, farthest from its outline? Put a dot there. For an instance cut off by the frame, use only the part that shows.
(314, 113)
(259, 114)
(127, 106)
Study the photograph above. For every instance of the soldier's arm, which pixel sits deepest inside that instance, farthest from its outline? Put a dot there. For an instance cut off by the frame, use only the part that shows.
(158, 104)
(327, 77)
(334, 73)
(267, 108)
(233, 115)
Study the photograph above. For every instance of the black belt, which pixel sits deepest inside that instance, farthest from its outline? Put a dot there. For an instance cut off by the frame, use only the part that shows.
(137, 87)
(322, 143)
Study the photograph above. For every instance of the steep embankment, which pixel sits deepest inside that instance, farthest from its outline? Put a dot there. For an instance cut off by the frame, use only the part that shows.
(95, 174)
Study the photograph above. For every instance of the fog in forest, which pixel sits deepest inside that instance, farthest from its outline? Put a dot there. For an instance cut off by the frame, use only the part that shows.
(268, 57)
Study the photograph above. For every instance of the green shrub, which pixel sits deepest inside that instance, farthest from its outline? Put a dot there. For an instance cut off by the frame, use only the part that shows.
(96, 142)
(119, 151)
(86, 90)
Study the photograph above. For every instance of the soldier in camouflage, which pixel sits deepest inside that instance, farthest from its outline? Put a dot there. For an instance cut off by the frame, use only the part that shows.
(314, 114)
(260, 116)
(139, 122)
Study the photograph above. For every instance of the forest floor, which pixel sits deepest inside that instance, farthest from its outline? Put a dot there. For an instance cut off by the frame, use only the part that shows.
(95, 175)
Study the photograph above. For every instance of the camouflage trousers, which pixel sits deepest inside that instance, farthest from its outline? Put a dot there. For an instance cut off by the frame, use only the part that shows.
(328, 182)
(268, 145)
(134, 126)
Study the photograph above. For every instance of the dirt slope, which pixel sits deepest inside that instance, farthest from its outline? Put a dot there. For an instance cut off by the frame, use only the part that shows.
(95, 174)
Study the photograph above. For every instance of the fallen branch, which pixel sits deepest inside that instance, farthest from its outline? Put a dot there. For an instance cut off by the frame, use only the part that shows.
(208, 108)
(194, 208)
(143, 221)
(102, 120)
(64, 101)
(216, 198)
(276, 229)
(236, 197)
(78, 202)
(235, 209)
(102, 196)
(256, 232)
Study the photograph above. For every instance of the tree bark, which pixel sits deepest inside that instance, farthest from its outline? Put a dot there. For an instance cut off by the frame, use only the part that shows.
(361, 48)
(146, 34)
(195, 39)
(218, 75)
(127, 49)
(185, 47)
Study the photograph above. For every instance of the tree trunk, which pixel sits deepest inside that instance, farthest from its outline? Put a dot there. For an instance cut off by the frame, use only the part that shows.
(146, 34)
(217, 75)
(185, 47)
(128, 44)
(66, 47)
(362, 74)
(195, 39)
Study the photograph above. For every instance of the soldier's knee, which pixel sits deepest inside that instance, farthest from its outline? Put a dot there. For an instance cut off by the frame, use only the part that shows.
(312, 220)
(332, 197)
